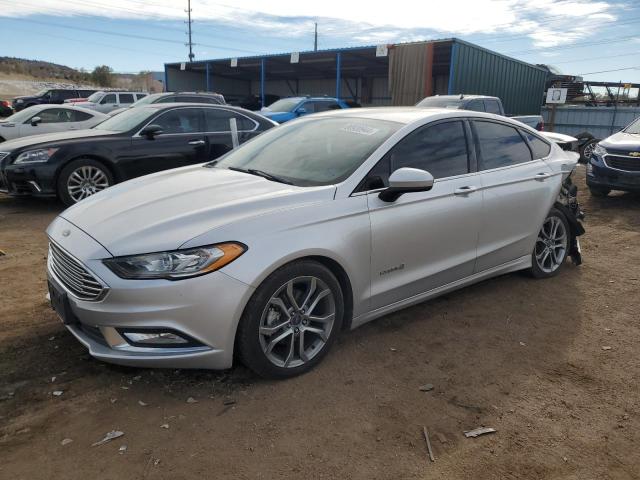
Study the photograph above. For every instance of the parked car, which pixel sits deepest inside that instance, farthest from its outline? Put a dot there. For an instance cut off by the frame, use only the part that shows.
(75, 165)
(5, 108)
(177, 97)
(479, 103)
(108, 101)
(49, 95)
(41, 119)
(615, 162)
(289, 108)
(314, 227)
(254, 102)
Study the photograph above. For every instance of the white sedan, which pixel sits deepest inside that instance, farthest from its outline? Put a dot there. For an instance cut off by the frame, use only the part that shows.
(40, 119)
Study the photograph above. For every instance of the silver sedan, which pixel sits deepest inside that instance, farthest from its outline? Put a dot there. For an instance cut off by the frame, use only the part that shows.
(314, 227)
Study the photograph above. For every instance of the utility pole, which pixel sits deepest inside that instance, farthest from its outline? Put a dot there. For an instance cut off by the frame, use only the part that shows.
(315, 38)
(189, 22)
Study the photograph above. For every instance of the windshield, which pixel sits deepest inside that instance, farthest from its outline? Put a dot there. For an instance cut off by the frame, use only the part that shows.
(95, 97)
(320, 151)
(146, 100)
(22, 115)
(633, 128)
(284, 105)
(41, 92)
(439, 102)
(125, 121)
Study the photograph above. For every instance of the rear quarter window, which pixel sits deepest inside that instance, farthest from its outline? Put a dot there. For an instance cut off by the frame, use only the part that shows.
(500, 145)
(539, 148)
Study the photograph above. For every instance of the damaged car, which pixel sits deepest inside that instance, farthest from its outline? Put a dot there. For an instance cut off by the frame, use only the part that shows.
(310, 229)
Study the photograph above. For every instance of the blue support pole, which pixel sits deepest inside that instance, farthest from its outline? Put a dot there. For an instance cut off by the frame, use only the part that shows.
(208, 78)
(452, 68)
(338, 74)
(166, 79)
(262, 81)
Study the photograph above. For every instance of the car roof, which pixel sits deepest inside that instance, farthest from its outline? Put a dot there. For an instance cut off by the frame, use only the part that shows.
(164, 106)
(464, 97)
(407, 115)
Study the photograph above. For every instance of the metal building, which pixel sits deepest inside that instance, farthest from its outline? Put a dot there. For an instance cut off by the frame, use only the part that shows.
(397, 74)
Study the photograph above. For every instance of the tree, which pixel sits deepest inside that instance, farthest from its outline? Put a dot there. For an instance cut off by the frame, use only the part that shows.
(102, 76)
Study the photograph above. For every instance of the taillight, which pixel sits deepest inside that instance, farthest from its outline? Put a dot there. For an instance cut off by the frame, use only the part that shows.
(540, 126)
(5, 103)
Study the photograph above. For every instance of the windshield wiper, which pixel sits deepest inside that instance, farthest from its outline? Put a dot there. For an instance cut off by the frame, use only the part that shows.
(261, 173)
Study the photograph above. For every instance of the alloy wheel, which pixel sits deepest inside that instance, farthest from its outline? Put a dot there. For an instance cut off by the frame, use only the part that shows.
(588, 150)
(297, 321)
(551, 245)
(85, 181)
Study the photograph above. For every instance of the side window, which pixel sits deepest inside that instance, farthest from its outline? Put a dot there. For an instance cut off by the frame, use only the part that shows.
(180, 120)
(500, 145)
(126, 97)
(218, 120)
(208, 99)
(140, 95)
(492, 106)
(169, 99)
(310, 107)
(55, 115)
(475, 105)
(108, 99)
(439, 149)
(539, 147)
(78, 116)
(62, 95)
(323, 106)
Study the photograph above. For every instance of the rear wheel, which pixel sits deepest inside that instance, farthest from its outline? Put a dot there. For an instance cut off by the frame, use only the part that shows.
(81, 179)
(552, 246)
(599, 192)
(291, 321)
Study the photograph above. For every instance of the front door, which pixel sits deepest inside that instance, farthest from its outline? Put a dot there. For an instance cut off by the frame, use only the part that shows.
(425, 240)
(181, 143)
(518, 191)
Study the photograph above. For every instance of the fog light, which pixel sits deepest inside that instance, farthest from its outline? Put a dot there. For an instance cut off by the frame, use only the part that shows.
(158, 338)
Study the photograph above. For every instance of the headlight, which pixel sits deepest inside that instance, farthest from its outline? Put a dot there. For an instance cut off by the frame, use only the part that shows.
(19, 100)
(177, 264)
(36, 156)
(599, 150)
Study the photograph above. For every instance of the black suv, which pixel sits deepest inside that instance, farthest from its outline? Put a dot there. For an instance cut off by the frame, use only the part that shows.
(50, 95)
(76, 164)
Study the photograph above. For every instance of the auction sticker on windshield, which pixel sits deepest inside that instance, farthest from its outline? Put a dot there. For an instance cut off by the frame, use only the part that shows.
(360, 129)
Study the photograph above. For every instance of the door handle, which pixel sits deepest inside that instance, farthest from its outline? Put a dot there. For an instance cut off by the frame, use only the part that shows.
(196, 142)
(465, 190)
(541, 177)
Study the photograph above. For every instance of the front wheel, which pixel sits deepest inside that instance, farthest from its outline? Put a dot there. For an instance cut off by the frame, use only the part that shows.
(586, 150)
(81, 179)
(552, 245)
(291, 321)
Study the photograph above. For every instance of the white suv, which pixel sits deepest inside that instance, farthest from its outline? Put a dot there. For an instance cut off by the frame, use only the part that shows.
(106, 102)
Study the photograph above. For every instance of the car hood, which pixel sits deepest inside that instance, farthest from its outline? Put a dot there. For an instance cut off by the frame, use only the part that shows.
(25, 97)
(277, 116)
(165, 210)
(622, 141)
(34, 140)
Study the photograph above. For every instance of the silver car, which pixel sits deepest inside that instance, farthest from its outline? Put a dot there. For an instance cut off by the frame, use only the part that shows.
(314, 227)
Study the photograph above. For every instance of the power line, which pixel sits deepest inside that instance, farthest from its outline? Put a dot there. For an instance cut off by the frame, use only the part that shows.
(614, 70)
(573, 45)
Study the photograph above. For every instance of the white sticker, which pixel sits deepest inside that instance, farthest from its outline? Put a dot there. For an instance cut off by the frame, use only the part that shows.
(233, 125)
(295, 57)
(360, 129)
(382, 50)
(234, 62)
(183, 66)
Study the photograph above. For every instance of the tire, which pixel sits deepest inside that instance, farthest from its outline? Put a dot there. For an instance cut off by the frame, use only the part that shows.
(599, 192)
(272, 328)
(2, 139)
(586, 149)
(82, 178)
(552, 245)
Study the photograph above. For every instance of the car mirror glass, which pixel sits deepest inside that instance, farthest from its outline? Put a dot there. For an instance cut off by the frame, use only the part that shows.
(406, 180)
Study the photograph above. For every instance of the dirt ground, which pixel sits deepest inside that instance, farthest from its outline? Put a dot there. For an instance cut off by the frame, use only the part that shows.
(525, 357)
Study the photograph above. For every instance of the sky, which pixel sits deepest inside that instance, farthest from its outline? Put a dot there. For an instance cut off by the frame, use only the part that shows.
(597, 39)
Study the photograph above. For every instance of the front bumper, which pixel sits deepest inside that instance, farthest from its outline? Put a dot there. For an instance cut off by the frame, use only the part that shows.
(206, 309)
(34, 180)
(600, 175)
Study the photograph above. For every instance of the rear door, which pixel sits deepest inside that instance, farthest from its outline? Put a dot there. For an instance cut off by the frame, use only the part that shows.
(220, 130)
(518, 188)
(425, 240)
(182, 143)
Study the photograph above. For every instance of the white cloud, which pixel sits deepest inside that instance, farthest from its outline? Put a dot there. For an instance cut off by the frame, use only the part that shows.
(546, 22)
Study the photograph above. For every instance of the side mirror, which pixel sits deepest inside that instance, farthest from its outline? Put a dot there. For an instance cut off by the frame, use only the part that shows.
(151, 131)
(35, 121)
(301, 111)
(406, 180)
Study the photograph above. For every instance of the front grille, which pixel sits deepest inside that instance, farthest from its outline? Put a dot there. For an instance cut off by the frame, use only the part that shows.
(73, 275)
(628, 164)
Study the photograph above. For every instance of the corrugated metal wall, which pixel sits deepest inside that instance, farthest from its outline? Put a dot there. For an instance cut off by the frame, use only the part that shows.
(479, 71)
(598, 121)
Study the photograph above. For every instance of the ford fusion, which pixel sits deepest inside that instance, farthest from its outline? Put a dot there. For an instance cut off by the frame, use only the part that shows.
(74, 165)
(311, 228)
